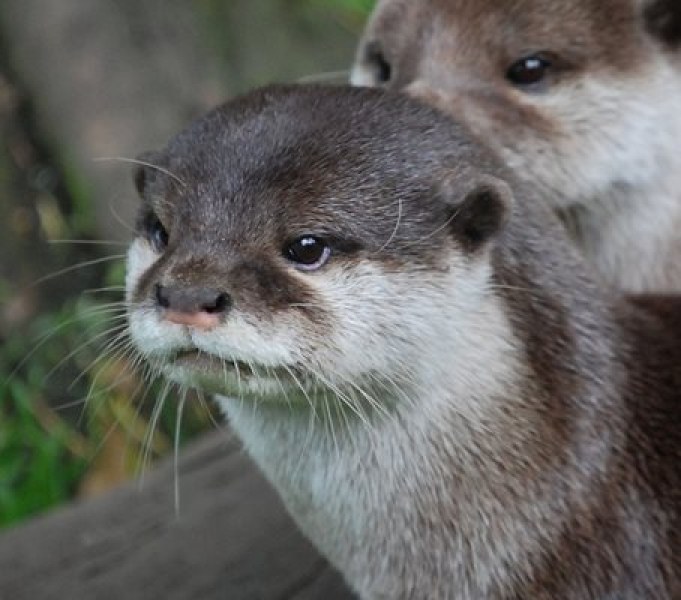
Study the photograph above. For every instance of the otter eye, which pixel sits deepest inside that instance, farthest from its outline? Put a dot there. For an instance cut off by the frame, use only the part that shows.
(156, 233)
(379, 63)
(529, 70)
(308, 252)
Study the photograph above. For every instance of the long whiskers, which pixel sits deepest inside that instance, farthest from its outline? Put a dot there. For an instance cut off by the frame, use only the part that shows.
(81, 265)
(142, 163)
(437, 230)
(119, 347)
(176, 451)
(131, 229)
(111, 289)
(396, 228)
(153, 424)
(79, 348)
(47, 336)
(89, 242)
(204, 403)
(302, 389)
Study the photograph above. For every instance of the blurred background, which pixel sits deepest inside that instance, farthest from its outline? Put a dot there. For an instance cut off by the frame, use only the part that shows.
(83, 84)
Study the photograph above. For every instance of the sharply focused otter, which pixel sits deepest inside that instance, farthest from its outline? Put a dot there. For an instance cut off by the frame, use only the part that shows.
(412, 351)
(581, 98)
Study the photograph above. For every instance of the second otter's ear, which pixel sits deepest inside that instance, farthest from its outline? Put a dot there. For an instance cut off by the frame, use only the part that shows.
(663, 21)
(144, 169)
(480, 207)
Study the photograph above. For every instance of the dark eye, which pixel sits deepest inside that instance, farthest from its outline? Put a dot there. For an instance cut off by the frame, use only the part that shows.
(157, 234)
(529, 70)
(308, 252)
(379, 63)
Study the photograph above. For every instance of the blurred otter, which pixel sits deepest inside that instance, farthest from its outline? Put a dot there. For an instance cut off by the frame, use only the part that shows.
(579, 97)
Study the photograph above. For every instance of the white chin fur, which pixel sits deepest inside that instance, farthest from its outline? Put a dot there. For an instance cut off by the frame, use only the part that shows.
(235, 384)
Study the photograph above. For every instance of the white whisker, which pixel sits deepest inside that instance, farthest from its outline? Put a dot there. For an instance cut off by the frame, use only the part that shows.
(141, 163)
(176, 451)
(82, 265)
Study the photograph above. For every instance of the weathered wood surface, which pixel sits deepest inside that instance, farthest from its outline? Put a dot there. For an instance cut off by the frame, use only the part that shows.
(231, 540)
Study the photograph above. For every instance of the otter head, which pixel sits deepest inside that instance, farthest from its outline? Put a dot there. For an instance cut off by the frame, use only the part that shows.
(579, 97)
(299, 241)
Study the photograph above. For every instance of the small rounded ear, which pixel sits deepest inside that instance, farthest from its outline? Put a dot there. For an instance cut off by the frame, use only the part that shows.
(480, 206)
(663, 21)
(144, 167)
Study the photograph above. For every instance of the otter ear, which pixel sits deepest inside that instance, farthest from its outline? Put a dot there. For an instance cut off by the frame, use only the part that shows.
(481, 211)
(144, 170)
(663, 21)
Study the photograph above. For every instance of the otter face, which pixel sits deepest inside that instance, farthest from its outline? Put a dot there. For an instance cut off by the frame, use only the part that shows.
(281, 236)
(577, 96)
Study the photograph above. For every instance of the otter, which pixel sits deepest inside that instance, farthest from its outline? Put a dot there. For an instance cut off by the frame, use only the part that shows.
(412, 350)
(579, 97)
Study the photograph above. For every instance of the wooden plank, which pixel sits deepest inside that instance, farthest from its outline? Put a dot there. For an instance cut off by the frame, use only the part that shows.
(232, 539)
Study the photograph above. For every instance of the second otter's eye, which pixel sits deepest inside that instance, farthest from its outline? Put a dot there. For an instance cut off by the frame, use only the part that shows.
(530, 70)
(308, 253)
(156, 233)
(382, 70)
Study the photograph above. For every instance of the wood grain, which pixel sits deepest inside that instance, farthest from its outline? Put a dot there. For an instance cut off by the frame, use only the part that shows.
(232, 540)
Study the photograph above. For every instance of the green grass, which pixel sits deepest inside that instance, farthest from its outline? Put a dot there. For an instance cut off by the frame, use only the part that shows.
(362, 7)
(42, 456)
(37, 471)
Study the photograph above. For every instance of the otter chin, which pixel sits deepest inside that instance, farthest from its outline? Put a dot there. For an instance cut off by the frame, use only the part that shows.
(412, 350)
(207, 372)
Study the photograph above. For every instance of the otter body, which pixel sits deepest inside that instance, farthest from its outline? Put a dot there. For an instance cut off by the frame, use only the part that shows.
(412, 351)
(579, 97)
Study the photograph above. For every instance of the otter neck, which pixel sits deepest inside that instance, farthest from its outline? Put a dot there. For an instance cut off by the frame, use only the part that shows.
(457, 449)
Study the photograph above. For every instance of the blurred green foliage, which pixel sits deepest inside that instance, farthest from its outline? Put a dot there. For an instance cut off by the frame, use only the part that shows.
(360, 6)
(30, 460)
(42, 457)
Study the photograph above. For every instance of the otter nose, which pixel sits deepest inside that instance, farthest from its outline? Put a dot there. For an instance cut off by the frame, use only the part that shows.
(198, 307)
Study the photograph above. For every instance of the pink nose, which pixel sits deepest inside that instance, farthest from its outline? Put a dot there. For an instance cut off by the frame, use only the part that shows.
(198, 307)
(198, 320)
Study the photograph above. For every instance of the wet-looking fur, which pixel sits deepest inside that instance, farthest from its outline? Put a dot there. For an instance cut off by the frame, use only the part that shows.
(446, 402)
(579, 97)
